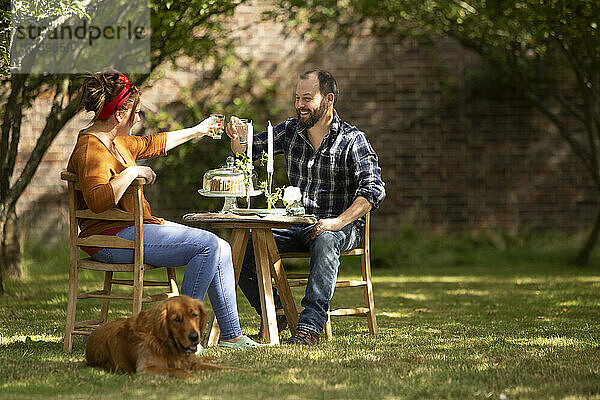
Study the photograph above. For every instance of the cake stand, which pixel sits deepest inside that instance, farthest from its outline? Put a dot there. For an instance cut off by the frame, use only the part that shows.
(230, 202)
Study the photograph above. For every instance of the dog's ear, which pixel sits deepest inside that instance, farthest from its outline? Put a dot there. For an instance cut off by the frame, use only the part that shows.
(161, 322)
(201, 316)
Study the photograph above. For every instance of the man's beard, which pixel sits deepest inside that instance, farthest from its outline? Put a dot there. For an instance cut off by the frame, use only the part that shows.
(313, 116)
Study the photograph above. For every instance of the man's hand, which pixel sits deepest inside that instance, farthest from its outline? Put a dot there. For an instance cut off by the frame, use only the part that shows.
(231, 130)
(327, 224)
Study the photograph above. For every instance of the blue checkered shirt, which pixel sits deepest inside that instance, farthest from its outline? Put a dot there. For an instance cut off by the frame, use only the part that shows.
(344, 166)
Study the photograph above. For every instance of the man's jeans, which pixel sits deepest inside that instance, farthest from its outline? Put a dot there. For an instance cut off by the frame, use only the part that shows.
(325, 253)
(209, 266)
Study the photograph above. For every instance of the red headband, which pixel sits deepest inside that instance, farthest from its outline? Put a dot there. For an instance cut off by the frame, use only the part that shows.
(110, 108)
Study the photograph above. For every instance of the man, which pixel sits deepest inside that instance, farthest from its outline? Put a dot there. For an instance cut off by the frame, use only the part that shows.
(337, 172)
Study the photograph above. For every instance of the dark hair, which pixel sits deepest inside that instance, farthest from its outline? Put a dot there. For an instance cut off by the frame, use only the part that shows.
(327, 83)
(102, 87)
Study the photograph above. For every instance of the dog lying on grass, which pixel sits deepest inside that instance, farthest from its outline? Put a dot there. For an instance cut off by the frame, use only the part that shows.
(162, 341)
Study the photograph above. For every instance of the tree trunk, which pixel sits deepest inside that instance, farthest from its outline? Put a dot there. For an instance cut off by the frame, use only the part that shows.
(10, 247)
(584, 254)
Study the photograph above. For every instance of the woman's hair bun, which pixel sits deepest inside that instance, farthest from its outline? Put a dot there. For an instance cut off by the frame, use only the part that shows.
(101, 88)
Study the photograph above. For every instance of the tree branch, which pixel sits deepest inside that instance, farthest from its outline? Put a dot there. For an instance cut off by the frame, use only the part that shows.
(11, 109)
(578, 148)
(589, 106)
(55, 121)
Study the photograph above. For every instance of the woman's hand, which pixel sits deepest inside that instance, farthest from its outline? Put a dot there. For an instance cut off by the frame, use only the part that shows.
(144, 172)
(206, 126)
(176, 138)
(121, 182)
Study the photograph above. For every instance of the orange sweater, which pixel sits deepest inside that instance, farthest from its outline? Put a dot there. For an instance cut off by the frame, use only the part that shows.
(95, 166)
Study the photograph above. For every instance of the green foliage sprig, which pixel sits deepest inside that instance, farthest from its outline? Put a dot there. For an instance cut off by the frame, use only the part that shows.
(272, 197)
(243, 163)
(263, 158)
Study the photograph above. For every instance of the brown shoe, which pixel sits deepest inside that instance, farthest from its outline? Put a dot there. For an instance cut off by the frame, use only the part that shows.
(304, 336)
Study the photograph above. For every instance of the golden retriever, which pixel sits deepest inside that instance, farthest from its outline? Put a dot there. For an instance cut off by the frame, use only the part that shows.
(161, 340)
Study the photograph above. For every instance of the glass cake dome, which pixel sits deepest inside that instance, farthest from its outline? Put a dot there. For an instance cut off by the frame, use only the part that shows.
(227, 179)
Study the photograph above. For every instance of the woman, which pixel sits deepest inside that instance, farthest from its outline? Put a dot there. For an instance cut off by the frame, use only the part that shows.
(104, 161)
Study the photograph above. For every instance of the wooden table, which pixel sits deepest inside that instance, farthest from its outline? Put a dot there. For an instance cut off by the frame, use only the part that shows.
(268, 262)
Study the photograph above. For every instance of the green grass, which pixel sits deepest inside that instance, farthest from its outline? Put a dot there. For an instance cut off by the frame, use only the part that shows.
(460, 316)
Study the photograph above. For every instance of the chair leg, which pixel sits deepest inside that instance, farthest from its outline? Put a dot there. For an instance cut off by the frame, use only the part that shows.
(71, 306)
(327, 328)
(214, 332)
(369, 298)
(138, 289)
(108, 275)
(172, 276)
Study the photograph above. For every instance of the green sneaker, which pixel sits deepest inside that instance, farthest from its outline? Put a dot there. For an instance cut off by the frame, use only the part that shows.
(243, 343)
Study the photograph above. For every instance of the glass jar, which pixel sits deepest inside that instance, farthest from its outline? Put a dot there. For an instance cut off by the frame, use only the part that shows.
(295, 209)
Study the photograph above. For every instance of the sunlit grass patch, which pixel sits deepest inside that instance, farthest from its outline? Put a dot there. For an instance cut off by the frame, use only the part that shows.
(555, 341)
(457, 318)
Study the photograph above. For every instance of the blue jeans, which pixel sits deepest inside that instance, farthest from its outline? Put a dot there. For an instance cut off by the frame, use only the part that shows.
(325, 253)
(209, 266)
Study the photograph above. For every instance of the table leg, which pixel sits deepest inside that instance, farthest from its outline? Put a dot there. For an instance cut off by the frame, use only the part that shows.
(238, 242)
(263, 272)
(285, 294)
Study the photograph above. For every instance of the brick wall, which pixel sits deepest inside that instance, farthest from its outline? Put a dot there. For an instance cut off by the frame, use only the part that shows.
(451, 160)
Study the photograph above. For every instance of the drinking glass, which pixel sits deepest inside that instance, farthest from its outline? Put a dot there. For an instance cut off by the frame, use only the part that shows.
(217, 132)
(242, 130)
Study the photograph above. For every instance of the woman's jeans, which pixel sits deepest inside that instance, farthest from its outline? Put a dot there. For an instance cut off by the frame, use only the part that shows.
(325, 253)
(209, 266)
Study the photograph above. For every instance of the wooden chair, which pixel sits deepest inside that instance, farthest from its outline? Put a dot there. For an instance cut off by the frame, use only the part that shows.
(137, 268)
(295, 280)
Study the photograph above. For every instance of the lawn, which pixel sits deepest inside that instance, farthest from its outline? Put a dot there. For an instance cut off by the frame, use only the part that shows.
(489, 316)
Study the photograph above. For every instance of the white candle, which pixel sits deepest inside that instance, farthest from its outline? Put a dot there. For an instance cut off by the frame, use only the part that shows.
(270, 148)
(250, 140)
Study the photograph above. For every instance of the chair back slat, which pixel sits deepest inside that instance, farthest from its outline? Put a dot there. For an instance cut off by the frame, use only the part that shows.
(72, 177)
(106, 241)
(114, 214)
(363, 248)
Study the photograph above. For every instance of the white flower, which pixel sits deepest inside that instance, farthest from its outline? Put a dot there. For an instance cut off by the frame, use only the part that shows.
(291, 194)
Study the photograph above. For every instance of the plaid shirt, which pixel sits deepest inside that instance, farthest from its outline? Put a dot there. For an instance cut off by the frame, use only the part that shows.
(331, 178)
